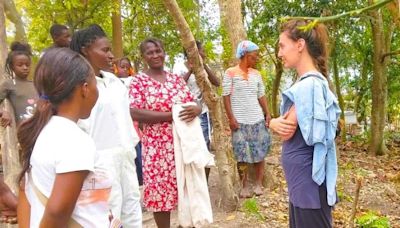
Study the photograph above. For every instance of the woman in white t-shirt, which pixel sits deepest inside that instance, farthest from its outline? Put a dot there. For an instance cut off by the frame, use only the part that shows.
(63, 184)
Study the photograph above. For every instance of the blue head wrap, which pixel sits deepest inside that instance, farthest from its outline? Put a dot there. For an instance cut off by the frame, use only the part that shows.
(244, 47)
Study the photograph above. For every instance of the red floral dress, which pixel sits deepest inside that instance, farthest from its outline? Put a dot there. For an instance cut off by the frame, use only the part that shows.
(159, 176)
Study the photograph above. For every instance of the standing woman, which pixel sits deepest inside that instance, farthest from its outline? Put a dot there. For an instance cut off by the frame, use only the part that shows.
(153, 93)
(63, 182)
(246, 105)
(308, 123)
(111, 126)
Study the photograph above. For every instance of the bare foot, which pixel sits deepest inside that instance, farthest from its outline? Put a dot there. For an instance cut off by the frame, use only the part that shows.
(245, 193)
(258, 190)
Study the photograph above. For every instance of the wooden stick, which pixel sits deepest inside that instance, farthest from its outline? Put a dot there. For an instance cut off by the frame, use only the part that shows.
(355, 202)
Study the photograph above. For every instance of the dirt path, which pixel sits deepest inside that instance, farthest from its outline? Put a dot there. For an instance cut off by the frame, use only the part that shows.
(379, 192)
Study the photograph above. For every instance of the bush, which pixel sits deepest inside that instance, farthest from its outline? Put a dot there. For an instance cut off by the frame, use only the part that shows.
(372, 220)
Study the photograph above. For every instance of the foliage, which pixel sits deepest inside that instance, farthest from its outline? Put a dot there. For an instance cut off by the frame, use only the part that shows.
(372, 220)
(39, 15)
(250, 207)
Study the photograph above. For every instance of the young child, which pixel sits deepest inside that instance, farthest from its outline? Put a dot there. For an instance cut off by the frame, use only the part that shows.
(64, 183)
(111, 126)
(16, 86)
(124, 70)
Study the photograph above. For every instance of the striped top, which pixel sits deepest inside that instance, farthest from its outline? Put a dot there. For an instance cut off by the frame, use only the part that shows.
(244, 94)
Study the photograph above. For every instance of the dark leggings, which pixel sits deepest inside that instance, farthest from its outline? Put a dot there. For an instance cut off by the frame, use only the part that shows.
(312, 218)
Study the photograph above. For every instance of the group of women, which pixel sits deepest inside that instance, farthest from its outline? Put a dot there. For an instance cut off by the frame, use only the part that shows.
(77, 148)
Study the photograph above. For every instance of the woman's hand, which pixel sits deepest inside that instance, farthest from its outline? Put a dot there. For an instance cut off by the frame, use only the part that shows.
(5, 119)
(283, 127)
(233, 124)
(189, 112)
(267, 120)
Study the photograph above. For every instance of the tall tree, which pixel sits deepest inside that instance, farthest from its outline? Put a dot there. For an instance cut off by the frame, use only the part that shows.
(15, 18)
(381, 39)
(214, 103)
(8, 136)
(3, 39)
(232, 23)
(117, 41)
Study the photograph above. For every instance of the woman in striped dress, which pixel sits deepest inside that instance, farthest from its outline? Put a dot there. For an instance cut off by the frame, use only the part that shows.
(247, 111)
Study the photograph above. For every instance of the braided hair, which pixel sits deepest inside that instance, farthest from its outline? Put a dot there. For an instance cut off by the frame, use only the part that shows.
(16, 48)
(86, 37)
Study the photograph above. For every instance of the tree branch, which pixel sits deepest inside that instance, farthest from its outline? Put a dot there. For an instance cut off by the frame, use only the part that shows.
(351, 13)
(397, 52)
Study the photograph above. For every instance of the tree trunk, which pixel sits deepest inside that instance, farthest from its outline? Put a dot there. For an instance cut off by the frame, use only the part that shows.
(13, 15)
(8, 139)
(276, 83)
(117, 30)
(214, 103)
(379, 85)
(363, 87)
(339, 95)
(232, 22)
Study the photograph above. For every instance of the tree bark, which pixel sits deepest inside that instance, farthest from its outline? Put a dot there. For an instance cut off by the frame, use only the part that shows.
(117, 30)
(379, 84)
(276, 83)
(8, 137)
(13, 15)
(214, 103)
(232, 22)
(339, 95)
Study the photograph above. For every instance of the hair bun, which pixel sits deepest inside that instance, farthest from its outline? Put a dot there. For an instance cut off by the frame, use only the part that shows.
(22, 47)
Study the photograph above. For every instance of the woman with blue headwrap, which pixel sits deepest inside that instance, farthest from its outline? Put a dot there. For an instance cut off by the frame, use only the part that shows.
(247, 111)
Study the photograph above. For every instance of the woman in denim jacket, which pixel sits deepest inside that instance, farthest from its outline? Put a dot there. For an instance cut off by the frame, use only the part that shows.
(309, 118)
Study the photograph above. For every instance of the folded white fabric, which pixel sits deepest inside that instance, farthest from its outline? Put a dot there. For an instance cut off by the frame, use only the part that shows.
(191, 157)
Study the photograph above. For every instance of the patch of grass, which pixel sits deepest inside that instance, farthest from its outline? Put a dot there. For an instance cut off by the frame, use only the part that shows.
(372, 220)
(250, 207)
(344, 197)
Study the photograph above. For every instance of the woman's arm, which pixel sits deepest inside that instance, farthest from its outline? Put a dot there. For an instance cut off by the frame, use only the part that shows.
(61, 203)
(233, 124)
(263, 103)
(23, 208)
(211, 76)
(150, 117)
(285, 126)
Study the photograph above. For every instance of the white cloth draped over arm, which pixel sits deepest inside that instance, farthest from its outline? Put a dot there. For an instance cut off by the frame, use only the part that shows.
(191, 157)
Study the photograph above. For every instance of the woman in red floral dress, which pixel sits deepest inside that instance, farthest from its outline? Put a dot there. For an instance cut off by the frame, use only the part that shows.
(153, 93)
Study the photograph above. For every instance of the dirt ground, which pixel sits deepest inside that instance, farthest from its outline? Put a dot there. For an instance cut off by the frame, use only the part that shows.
(380, 191)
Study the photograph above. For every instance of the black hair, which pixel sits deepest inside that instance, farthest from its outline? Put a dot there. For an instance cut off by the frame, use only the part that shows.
(198, 44)
(155, 41)
(57, 74)
(118, 61)
(85, 37)
(56, 30)
(16, 48)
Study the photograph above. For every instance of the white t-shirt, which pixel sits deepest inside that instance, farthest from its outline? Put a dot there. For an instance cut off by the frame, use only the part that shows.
(127, 81)
(110, 123)
(63, 147)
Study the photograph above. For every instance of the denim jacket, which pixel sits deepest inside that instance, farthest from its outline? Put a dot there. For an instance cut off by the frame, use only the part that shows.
(317, 112)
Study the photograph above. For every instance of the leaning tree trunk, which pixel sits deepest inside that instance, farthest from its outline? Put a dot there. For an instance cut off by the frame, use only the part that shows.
(381, 44)
(214, 103)
(117, 29)
(8, 139)
(232, 23)
(13, 15)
